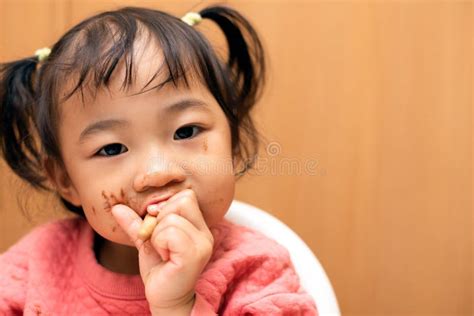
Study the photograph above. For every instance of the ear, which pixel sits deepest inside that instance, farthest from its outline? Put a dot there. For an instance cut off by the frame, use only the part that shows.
(59, 178)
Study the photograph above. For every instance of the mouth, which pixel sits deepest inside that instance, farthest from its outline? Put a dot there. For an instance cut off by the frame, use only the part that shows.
(153, 201)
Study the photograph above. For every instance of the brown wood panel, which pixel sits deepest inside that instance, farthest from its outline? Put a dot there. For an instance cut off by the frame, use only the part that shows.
(24, 27)
(372, 100)
(380, 94)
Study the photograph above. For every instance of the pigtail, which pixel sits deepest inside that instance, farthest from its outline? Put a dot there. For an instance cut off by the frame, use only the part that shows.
(246, 60)
(246, 67)
(17, 101)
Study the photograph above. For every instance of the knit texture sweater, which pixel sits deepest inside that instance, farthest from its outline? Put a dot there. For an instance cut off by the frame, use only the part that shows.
(53, 270)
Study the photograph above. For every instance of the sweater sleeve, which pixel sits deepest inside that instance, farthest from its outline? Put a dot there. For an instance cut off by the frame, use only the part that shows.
(269, 286)
(202, 307)
(14, 276)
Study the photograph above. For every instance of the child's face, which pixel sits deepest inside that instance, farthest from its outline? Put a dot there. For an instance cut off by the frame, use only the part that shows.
(146, 151)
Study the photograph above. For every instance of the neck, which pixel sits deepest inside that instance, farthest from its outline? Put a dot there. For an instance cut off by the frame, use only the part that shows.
(115, 257)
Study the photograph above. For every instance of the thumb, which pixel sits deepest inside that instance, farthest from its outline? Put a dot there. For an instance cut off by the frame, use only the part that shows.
(130, 222)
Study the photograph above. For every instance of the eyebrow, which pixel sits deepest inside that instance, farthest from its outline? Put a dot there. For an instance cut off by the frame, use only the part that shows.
(109, 124)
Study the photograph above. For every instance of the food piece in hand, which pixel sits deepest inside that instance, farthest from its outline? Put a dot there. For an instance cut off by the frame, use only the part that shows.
(148, 225)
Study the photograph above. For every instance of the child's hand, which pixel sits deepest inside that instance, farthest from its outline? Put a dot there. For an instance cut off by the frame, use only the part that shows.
(175, 255)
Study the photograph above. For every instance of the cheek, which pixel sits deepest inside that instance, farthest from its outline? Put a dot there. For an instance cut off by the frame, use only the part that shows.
(99, 215)
(214, 176)
(105, 225)
(97, 201)
(216, 197)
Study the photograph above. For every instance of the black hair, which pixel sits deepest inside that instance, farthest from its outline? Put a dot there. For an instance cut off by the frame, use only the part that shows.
(90, 53)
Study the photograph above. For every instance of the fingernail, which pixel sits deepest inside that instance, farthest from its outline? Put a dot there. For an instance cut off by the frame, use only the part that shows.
(161, 205)
(152, 208)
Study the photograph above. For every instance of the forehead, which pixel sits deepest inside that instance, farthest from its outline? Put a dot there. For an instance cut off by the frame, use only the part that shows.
(140, 70)
(134, 105)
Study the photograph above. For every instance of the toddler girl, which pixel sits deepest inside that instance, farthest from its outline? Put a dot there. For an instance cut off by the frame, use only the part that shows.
(100, 119)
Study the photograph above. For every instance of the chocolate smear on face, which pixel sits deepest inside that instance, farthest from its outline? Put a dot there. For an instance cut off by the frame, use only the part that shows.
(110, 199)
(107, 205)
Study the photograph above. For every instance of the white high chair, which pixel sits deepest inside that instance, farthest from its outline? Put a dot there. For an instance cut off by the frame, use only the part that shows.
(313, 278)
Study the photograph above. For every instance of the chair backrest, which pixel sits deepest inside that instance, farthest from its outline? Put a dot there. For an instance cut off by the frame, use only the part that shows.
(313, 278)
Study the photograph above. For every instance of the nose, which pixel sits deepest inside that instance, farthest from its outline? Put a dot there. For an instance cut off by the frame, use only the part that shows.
(158, 172)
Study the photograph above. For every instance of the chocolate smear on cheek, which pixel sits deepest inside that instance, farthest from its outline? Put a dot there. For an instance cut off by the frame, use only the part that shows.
(107, 205)
(204, 145)
(110, 199)
(123, 197)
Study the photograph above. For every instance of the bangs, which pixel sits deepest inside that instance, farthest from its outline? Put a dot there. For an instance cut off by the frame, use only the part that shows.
(105, 46)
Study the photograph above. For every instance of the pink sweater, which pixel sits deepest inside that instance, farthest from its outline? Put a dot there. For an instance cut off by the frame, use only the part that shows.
(53, 271)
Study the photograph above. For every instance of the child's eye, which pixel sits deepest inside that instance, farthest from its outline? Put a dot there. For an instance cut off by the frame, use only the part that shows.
(112, 150)
(116, 148)
(187, 132)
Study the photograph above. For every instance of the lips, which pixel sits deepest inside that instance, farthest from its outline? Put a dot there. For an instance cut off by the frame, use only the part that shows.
(154, 200)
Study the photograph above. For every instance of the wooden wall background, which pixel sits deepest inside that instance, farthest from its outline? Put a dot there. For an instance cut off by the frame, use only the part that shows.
(376, 98)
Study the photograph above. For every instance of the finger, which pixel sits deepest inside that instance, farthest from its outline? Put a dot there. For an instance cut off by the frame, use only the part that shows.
(129, 221)
(201, 242)
(151, 253)
(176, 242)
(185, 205)
(151, 219)
(180, 222)
(149, 224)
(154, 209)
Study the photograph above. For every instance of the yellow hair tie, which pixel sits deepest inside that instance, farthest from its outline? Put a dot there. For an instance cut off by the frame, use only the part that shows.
(191, 18)
(42, 53)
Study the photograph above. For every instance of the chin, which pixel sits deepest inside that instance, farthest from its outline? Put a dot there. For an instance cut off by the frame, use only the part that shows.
(118, 237)
(122, 239)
